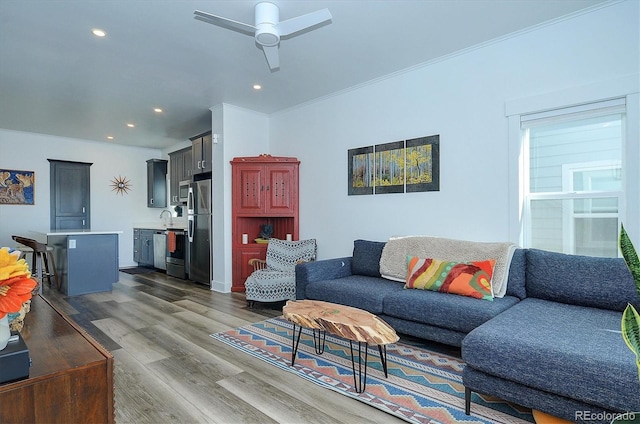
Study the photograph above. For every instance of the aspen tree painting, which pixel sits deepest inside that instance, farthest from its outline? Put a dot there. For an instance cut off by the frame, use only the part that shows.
(361, 171)
(389, 168)
(423, 164)
(406, 166)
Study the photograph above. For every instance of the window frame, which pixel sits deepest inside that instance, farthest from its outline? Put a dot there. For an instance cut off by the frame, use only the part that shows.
(627, 88)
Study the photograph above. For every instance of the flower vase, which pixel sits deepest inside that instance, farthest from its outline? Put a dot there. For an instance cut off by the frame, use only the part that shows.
(5, 333)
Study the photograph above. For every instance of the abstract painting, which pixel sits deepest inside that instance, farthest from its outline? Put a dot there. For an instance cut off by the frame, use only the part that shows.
(17, 187)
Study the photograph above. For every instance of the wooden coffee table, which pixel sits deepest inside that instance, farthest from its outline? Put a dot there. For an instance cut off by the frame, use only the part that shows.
(343, 321)
(300, 313)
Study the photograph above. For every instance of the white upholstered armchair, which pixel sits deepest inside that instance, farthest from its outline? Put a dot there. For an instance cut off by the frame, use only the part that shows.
(274, 279)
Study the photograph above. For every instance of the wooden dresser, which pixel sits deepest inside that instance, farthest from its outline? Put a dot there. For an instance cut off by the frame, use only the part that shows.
(71, 376)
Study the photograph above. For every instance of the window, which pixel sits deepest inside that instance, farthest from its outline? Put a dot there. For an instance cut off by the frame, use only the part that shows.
(573, 191)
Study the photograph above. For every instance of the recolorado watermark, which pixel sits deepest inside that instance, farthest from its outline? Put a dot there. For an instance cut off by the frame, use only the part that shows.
(605, 416)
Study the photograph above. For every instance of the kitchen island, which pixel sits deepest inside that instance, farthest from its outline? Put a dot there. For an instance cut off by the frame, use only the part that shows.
(86, 260)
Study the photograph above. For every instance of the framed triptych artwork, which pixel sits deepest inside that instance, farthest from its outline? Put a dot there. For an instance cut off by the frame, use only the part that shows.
(405, 166)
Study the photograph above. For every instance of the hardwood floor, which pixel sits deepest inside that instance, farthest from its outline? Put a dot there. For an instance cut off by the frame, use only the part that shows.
(168, 369)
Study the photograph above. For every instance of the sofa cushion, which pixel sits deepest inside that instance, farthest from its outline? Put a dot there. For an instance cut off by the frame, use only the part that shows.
(580, 280)
(358, 291)
(516, 282)
(568, 350)
(366, 257)
(471, 279)
(459, 313)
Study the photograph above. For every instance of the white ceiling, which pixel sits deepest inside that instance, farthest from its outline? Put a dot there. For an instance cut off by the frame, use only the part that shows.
(57, 78)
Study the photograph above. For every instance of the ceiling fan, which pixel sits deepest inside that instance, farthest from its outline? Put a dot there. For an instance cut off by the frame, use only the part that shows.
(268, 30)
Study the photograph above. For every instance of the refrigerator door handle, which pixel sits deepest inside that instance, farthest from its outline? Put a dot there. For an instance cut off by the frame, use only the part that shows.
(190, 205)
(191, 222)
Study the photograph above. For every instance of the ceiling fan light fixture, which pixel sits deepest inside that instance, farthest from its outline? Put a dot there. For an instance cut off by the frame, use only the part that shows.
(266, 35)
(268, 29)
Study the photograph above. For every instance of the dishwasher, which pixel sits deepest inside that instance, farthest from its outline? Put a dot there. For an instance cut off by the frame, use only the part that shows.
(159, 250)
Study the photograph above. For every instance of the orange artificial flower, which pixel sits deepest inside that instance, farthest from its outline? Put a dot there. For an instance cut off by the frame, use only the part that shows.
(15, 282)
(13, 293)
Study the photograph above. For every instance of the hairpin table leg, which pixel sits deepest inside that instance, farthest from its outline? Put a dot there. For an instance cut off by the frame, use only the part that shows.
(359, 376)
(319, 337)
(383, 358)
(295, 341)
(318, 340)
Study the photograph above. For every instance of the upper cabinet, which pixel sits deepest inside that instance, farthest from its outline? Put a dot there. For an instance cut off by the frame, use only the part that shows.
(187, 164)
(157, 183)
(202, 150)
(268, 187)
(179, 170)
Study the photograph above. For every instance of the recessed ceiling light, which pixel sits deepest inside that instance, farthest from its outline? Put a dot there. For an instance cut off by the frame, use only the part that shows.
(157, 110)
(257, 87)
(130, 125)
(98, 32)
(109, 137)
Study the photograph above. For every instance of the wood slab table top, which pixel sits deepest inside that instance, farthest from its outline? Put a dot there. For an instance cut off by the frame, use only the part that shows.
(340, 320)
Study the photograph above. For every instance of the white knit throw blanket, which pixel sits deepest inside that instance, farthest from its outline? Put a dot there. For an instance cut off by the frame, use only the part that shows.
(393, 263)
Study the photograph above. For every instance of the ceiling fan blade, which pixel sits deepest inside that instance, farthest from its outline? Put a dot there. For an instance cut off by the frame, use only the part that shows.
(293, 25)
(273, 58)
(224, 22)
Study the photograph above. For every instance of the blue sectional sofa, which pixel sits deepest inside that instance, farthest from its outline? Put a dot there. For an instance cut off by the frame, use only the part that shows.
(552, 343)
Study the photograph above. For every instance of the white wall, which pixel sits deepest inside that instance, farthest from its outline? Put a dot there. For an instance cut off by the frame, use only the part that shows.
(462, 98)
(109, 211)
(242, 132)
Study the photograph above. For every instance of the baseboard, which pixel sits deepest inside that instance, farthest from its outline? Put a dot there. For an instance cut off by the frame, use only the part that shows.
(220, 286)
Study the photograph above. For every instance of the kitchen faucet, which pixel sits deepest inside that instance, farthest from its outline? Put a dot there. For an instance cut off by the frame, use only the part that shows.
(170, 216)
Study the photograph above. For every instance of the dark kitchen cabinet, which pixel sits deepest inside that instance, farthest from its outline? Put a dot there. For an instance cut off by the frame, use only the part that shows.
(174, 169)
(202, 150)
(136, 245)
(180, 163)
(143, 246)
(187, 164)
(156, 183)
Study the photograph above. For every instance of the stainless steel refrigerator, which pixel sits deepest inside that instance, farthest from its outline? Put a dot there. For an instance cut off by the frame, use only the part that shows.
(199, 229)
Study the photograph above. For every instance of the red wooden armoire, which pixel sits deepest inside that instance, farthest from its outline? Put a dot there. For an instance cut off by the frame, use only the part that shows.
(264, 191)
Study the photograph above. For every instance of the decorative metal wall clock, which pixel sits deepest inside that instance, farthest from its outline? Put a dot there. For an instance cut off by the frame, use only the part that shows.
(121, 185)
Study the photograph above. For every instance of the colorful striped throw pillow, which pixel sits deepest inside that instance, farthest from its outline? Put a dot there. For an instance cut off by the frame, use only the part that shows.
(471, 279)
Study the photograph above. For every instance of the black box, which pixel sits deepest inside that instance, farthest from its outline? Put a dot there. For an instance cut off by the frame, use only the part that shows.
(14, 361)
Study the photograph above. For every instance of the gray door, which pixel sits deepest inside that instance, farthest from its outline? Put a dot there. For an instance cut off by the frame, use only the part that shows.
(70, 194)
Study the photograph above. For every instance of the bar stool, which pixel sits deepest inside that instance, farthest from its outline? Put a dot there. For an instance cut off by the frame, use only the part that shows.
(41, 253)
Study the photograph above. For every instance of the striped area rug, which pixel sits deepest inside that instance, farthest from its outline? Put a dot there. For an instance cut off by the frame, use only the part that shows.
(424, 386)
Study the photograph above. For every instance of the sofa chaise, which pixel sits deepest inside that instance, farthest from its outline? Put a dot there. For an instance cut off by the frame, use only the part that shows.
(551, 343)
(560, 350)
